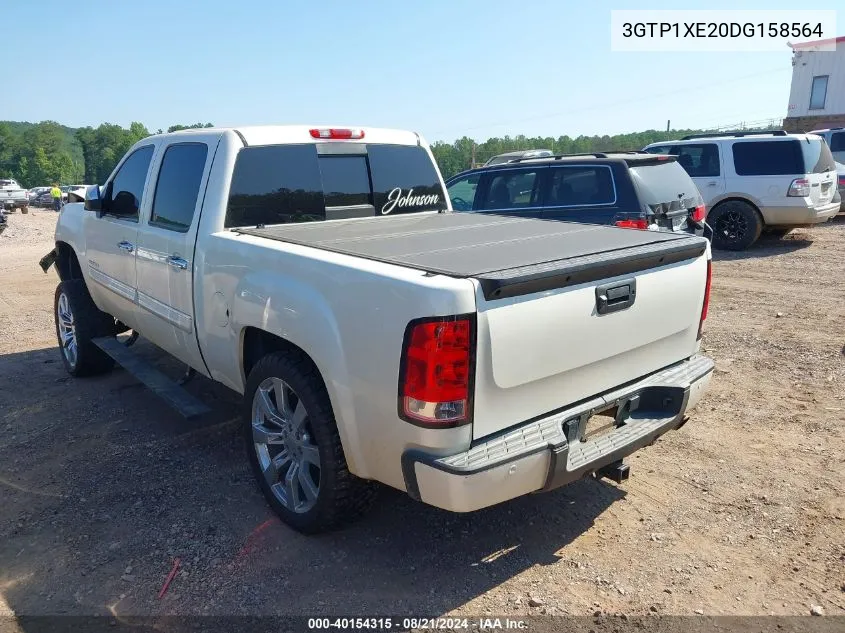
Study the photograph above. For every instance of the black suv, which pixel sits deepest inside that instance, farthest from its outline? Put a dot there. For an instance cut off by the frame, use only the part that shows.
(628, 189)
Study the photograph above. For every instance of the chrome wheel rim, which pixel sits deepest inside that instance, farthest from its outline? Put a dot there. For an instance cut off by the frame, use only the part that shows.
(67, 330)
(283, 441)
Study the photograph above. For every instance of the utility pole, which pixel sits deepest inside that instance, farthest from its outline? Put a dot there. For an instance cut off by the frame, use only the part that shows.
(667, 124)
(472, 160)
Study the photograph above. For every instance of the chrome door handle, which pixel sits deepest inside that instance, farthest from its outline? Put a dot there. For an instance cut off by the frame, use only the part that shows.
(177, 262)
(127, 247)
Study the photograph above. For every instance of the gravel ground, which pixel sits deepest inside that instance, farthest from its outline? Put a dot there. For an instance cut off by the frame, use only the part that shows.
(740, 512)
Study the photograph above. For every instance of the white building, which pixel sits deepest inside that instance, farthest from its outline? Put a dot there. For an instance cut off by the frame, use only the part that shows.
(817, 95)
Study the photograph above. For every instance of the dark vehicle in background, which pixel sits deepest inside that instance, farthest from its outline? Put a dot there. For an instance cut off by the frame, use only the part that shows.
(628, 189)
(43, 200)
(526, 153)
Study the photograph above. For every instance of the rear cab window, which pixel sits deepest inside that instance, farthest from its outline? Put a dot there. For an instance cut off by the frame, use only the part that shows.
(278, 184)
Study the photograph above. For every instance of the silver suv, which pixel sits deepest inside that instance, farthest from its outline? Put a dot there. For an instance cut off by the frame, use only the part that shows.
(751, 181)
(835, 139)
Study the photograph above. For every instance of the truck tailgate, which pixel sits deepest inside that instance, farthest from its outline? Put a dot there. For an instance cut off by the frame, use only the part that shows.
(565, 311)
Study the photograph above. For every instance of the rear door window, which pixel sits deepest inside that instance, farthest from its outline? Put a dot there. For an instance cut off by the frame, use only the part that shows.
(178, 186)
(768, 158)
(699, 160)
(513, 189)
(581, 186)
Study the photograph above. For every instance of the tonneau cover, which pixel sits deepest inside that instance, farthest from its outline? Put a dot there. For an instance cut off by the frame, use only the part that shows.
(509, 256)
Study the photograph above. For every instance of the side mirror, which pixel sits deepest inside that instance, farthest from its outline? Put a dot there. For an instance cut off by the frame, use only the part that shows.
(93, 202)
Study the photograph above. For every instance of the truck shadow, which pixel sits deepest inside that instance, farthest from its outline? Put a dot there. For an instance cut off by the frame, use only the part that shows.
(103, 486)
(767, 246)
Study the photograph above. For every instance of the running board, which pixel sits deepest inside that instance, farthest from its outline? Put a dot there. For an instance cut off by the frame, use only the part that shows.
(165, 388)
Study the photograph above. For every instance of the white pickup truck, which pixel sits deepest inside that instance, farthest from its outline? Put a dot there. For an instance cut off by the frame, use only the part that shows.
(13, 195)
(375, 335)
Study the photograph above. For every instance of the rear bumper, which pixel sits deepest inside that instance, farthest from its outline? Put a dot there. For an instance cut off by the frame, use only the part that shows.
(11, 204)
(799, 215)
(547, 453)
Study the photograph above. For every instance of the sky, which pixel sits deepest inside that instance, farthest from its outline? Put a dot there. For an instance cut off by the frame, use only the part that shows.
(442, 68)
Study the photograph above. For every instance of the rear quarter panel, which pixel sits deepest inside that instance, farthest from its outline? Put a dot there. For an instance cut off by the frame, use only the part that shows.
(349, 315)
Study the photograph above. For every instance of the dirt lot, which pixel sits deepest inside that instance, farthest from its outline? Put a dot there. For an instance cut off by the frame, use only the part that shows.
(740, 512)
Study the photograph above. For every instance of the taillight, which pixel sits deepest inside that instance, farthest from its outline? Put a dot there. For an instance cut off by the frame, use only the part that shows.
(337, 133)
(698, 214)
(706, 298)
(639, 223)
(436, 370)
(842, 181)
(800, 188)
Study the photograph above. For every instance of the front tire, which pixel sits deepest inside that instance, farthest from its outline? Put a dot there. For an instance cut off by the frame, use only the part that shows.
(78, 321)
(736, 225)
(294, 446)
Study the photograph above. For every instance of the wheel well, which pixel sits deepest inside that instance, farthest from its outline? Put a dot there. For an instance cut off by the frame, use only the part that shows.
(67, 263)
(258, 343)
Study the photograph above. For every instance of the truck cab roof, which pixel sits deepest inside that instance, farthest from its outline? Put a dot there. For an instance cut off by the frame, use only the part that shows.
(289, 134)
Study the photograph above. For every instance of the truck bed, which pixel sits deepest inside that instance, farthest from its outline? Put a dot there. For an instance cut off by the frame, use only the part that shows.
(508, 256)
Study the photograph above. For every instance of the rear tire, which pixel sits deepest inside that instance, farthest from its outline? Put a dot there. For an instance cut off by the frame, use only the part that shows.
(24, 210)
(294, 446)
(78, 321)
(736, 225)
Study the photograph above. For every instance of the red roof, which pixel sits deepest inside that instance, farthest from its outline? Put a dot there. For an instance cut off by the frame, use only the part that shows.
(802, 45)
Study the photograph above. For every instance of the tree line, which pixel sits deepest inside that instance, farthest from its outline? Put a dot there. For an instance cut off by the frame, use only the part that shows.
(458, 156)
(39, 154)
(47, 152)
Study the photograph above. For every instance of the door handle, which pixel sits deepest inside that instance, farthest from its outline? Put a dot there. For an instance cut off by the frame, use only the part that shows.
(177, 262)
(127, 247)
(616, 296)
(712, 183)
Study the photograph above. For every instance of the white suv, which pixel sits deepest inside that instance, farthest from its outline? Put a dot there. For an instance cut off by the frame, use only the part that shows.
(752, 181)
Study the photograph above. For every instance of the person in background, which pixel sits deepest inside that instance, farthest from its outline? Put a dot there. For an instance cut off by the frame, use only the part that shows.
(56, 194)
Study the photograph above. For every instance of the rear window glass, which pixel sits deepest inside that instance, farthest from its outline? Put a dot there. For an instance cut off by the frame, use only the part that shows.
(580, 186)
(404, 179)
(346, 181)
(817, 156)
(665, 187)
(768, 158)
(278, 184)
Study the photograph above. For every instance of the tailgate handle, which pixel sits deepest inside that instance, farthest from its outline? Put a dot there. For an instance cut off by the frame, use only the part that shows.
(616, 296)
